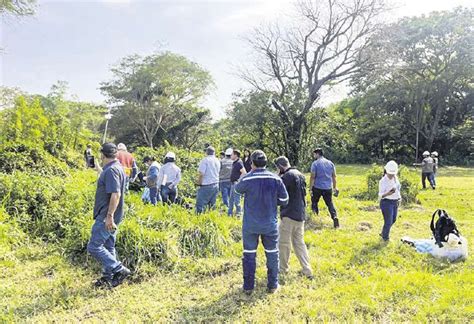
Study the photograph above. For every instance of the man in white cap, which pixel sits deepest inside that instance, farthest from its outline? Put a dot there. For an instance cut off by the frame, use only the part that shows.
(224, 176)
(389, 195)
(208, 181)
(168, 179)
(128, 163)
(427, 169)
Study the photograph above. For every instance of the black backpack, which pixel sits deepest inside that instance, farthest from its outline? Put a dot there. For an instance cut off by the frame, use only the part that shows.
(444, 226)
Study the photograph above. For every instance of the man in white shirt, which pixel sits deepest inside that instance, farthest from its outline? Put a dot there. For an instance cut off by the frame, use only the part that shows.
(168, 179)
(208, 181)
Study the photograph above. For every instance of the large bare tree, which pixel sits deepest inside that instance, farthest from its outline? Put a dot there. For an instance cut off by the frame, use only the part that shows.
(320, 47)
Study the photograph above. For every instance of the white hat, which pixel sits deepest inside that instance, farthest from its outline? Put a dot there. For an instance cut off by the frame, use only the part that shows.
(391, 167)
(170, 155)
(426, 153)
(229, 151)
(434, 153)
(453, 240)
(121, 147)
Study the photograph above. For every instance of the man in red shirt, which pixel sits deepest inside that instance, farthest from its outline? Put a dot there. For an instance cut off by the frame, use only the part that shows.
(128, 163)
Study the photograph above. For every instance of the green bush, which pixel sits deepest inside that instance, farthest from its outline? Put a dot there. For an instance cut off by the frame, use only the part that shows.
(408, 181)
(10, 233)
(32, 159)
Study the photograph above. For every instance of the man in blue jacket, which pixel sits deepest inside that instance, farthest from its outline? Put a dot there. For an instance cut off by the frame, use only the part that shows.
(263, 192)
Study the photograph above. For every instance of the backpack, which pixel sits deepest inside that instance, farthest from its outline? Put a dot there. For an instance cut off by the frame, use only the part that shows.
(444, 226)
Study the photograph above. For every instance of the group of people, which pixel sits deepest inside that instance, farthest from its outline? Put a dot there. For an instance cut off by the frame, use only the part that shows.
(264, 192)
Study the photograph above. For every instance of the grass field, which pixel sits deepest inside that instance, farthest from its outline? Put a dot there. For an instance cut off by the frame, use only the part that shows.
(357, 277)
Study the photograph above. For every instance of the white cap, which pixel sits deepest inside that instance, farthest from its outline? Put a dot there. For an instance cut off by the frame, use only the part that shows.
(170, 155)
(426, 153)
(434, 153)
(121, 147)
(453, 240)
(229, 151)
(391, 167)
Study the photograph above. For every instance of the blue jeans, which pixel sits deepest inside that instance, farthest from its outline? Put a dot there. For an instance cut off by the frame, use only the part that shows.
(224, 188)
(102, 247)
(249, 260)
(430, 177)
(168, 195)
(234, 201)
(154, 195)
(389, 211)
(206, 197)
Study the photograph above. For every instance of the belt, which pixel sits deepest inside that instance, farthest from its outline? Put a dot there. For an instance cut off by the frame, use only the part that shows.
(211, 184)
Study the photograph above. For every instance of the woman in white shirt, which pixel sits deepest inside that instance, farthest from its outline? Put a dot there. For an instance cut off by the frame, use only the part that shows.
(389, 194)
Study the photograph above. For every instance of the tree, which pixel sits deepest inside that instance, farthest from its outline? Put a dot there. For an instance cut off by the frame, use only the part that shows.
(424, 62)
(156, 93)
(17, 8)
(294, 63)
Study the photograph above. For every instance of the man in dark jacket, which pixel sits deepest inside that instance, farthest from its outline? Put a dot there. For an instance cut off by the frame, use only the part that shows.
(263, 192)
(293, 217)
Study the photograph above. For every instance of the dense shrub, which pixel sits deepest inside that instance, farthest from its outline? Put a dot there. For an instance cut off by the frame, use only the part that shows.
(32, 159)
(408, 181)
(10, 233)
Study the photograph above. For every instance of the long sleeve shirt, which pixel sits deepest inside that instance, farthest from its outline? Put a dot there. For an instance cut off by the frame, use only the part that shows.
(263, 192)
(169, 174)
(386, 184)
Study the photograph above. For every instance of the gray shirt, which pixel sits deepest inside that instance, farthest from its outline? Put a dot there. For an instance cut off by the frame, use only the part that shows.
(427, 165)
(226, 169)
(111, 180)
(209, 168)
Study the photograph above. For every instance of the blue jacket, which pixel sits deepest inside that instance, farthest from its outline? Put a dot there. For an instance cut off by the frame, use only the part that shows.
(263, 192)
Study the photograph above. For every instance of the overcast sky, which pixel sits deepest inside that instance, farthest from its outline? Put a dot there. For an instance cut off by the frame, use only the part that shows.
(78, 41)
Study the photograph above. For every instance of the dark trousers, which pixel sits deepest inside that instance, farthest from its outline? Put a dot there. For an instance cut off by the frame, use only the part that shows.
(249, 260)
(389, 211)
(168, 195)
(430, 176)
(327, 197)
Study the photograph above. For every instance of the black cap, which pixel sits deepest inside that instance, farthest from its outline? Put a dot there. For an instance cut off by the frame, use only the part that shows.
(318, 151)
(108, 148)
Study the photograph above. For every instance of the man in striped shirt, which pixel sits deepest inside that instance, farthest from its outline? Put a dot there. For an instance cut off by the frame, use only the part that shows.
(263, 192)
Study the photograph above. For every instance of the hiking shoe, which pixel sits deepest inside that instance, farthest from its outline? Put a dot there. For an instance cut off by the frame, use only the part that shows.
(120, 276)
(336, 222)
(103, 282)
(273, 290)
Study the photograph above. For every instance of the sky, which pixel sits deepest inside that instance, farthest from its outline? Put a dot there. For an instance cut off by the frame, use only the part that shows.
(79, 41)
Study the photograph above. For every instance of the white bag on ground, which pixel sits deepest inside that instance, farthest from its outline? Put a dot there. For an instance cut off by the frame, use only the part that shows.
(455, 248)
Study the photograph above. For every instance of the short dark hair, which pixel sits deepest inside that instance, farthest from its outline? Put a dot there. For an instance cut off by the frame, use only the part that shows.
(148, 159)
(282, 161)
(259, 159)
(319, 151)
(237, 152)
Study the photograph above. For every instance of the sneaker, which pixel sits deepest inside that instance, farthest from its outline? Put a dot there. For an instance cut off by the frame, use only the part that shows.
(120, 276)
(336, 222)
(103, 282)
(273, 290)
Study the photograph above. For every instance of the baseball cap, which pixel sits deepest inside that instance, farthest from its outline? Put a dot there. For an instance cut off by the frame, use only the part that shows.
(170, 155)
(108, 148)
(229, 151)
(391, 167)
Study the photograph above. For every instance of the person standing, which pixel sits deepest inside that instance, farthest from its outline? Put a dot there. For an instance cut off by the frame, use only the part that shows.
(247, 161)
(434, 156)
(88, 156)
(389, 194)
(263, 191)
(238, 170)
(322, 183)
(128, 163)
(208, 181)
(224, 176)
(151, 179)
(427, 170)
(168, 178)
(293, 217)
(108, 214)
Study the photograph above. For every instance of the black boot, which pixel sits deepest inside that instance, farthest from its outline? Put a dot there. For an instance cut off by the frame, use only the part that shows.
(336, 222)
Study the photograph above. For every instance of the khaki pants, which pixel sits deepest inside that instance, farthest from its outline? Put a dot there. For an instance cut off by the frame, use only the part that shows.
(292, 232)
